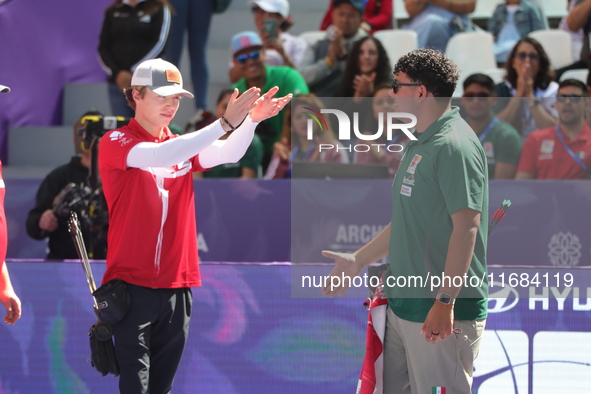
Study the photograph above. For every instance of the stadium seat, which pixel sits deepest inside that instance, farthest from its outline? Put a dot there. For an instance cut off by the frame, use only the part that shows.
(40, 146)
(497, 74)
(81, 97)
(581, 75)
(557, 44)
(473, 53)
(311, 37)
(397, 42)
(398, 12)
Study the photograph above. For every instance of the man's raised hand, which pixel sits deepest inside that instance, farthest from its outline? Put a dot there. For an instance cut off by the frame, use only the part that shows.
(239, 106)
(266, 106)
(346, 268)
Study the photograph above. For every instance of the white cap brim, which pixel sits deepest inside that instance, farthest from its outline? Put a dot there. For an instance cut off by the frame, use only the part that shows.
(170, 90)
(4, 89)
(265, 6)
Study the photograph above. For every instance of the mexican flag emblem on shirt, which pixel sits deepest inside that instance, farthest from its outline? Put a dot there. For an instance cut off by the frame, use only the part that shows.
(438, 390)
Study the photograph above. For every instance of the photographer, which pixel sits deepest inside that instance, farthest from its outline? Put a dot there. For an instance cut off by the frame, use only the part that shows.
(43, 222)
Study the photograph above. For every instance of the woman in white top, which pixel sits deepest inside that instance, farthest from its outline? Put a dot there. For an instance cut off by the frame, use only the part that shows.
(530, 86)
(281, 48)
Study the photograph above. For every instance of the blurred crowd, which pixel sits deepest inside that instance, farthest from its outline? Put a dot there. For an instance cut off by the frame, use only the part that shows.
(532, 123)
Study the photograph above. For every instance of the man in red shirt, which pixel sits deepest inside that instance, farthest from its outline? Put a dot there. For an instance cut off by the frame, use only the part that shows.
(8, 298)
(147, 182)
(562, 151)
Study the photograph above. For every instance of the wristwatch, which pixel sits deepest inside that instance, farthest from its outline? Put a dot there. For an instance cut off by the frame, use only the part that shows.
(445, 299)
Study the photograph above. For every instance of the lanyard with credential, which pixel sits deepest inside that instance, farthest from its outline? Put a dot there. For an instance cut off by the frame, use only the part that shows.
(294, 153)
(490, 126)
(570, 151)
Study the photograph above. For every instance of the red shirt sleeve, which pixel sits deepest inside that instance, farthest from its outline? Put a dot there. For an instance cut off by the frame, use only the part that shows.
(114, 147)
(327, 20)
(380, 20)
(528, 160)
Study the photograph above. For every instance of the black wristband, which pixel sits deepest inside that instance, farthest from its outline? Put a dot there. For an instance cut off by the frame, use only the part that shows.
(232, 128)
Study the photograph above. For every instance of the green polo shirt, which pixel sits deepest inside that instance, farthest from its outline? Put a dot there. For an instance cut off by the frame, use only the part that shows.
(501, 144)
(288, 80)
(253, 158)
(441, 173)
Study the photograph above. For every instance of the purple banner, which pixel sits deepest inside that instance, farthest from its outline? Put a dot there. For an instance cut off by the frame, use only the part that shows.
(249, 336)
(237, 220)
(45, 44)
(548, 223)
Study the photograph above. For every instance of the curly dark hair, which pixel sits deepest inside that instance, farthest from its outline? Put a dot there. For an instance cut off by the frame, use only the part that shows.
(352, 67)
(545, 74)
(431, 68)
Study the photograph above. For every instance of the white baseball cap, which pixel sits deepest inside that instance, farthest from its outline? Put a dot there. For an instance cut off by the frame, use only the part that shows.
(162, 77)
(273, 6)
(4, 89)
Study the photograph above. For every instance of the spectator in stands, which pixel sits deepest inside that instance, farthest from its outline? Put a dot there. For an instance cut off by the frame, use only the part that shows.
(194, 18)
(382, 150)
(377, 16)
(249, 166)
(132, 31)
(324, 63)
(529, 83)
(367, 66)
(43, 221)
(562, 151)
(8, 297)
(511, 21)
(579, 17)
(295, 145)
(576, 36)
(499, 139)
(281, 48)
(247, 52)
(435, 21)
(587, 109)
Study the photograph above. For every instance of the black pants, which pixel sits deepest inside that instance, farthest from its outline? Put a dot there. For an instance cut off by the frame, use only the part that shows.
(149, 341)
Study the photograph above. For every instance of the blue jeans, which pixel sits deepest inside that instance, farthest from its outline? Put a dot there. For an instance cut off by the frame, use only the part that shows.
(434, 27)
(195, 17)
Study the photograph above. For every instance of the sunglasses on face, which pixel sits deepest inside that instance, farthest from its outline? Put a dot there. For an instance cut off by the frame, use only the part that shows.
(533, 57)
(574, 98)
(396, 86)
(473, 96)
(254, 55)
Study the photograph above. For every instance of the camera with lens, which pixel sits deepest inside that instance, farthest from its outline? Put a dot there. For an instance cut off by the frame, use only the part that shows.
(93, 127)
(87, 199)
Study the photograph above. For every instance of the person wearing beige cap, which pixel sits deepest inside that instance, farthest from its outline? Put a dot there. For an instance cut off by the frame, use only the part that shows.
(8, 297)
(147, 183)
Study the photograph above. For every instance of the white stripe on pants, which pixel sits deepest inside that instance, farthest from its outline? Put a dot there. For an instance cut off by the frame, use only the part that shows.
(414, 366)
